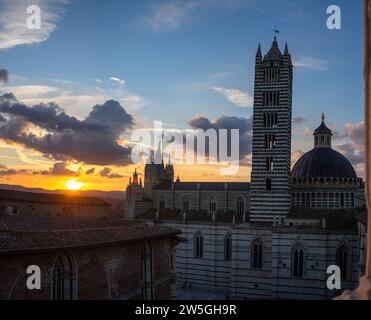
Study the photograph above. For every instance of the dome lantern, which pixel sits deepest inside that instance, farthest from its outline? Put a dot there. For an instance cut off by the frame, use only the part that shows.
(322, 135)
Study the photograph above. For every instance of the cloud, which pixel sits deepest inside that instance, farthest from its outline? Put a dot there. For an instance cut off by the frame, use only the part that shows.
(308, 132)
(238, 98)
(298, 120)
(171, 15)
(90, 171)
(228, 122)
(356, 132)
(4, 76)
(73, 97)
(107, 173)
(5, 171)
(13, 18)
(311, 63)
(47, 129)
(119, 81)
(60, 169)
(354, 147)
(352, 153)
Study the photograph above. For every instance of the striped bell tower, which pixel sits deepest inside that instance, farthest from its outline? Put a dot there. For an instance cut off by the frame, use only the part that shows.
(271, 151)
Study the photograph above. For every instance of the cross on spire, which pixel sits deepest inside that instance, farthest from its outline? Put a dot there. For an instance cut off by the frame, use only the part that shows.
(275, 31)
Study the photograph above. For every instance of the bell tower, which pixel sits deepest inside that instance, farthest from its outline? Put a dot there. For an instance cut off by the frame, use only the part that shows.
(270, 192)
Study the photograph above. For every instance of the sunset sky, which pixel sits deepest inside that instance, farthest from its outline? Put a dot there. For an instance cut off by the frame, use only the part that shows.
(72, 92)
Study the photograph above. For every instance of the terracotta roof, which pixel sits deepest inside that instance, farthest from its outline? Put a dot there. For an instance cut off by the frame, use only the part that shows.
(38, 221)
(49, 198)
(23, 241)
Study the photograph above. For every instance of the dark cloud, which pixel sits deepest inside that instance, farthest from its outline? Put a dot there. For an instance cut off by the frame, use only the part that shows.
(107, 173)
(92, 140)
(90, 171)
(228, 123)
(299, 120)
(4, 76)
(60, 169)
(5, 171)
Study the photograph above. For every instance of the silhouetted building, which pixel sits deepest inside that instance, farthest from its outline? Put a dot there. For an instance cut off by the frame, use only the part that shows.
(87, 259)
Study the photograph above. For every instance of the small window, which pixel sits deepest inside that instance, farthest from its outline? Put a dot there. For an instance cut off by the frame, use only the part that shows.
(228, 247)
(240, 208)
(269, 164)
(212, 206)
(198, 246)
(342, 261)
(146, 272)
(268, 184)
(185, 204)
(162, 206)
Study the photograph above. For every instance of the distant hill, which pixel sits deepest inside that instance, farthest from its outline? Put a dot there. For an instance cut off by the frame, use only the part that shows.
(117, 195)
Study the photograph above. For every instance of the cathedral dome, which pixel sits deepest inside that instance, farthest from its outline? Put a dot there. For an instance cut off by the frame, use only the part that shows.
(323, 162)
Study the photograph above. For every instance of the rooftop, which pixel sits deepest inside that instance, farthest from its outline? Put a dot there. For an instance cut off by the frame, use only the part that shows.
(235, 186)
(191, 216)
(16, 241)
(49, 198)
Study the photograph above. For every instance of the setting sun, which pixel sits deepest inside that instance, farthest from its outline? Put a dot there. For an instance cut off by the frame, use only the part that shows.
(74, 185)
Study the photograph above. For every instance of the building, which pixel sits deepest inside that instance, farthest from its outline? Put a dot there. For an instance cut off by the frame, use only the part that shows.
(275, 237)
(17, 202)
(87, 259)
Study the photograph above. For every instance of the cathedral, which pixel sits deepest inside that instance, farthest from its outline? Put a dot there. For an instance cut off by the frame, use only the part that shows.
(273, 237)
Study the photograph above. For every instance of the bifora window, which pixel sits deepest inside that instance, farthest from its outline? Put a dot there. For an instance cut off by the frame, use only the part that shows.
(257, 254)
(63, 278)
(298, 261)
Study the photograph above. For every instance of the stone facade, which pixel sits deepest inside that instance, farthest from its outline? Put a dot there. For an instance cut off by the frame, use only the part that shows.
(275, 237)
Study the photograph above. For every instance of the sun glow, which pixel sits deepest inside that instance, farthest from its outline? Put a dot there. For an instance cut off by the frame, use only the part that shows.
(73, 185)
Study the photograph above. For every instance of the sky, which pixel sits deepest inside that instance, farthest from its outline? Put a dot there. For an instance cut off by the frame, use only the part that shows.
(73, 91)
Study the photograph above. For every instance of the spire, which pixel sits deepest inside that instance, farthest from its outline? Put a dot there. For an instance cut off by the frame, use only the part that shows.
(135, 177)
(259, 51)
(286, 50)
(274, 54)
(158, 157)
